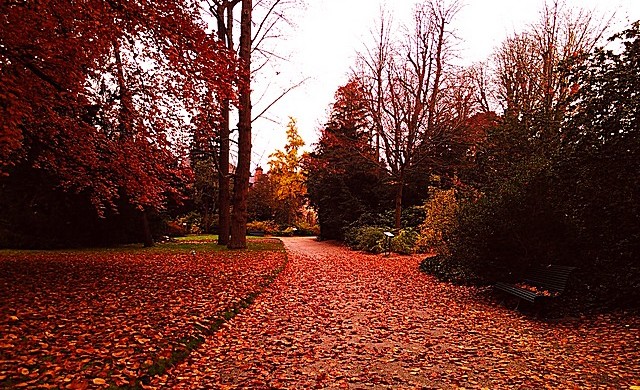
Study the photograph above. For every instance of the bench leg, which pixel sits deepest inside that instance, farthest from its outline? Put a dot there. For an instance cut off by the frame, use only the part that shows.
(518, 304)
(505, 302)
(540, 310)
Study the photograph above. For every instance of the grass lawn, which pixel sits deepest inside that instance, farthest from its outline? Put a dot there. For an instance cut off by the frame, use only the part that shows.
(115, 317)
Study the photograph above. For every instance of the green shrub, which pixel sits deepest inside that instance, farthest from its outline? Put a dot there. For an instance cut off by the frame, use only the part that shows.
(272, 228)
(413, 216)
(405, 242)
(514, 225)
(366, 238)
(268, 227)
(286, 232)
(305, 229)
(372, 239)
(445, 269)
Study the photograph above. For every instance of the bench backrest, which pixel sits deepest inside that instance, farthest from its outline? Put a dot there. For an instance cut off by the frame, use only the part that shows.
(551, 277)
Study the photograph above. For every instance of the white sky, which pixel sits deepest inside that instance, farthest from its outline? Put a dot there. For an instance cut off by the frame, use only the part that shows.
(327, 34)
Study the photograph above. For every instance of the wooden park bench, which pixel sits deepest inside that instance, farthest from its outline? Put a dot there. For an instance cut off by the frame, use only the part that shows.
(539, 284)
(256, 233)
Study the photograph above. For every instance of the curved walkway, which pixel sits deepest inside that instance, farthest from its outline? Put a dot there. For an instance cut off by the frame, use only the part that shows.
(341, 319)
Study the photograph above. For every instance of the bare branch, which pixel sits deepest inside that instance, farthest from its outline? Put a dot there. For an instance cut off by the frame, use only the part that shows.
(276, 100)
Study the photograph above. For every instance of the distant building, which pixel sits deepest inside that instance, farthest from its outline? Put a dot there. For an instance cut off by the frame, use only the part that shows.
(257, 176)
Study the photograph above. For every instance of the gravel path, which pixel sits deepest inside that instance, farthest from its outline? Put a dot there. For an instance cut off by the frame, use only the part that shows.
(341, 319)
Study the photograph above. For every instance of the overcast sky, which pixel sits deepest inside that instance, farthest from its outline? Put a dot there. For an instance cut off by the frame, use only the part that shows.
(327, 33)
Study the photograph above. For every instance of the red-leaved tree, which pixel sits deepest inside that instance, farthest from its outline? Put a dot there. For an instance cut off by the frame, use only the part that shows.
(99, 94)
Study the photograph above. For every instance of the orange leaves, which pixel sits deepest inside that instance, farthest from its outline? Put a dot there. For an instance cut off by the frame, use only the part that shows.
(82, 320)
(537, 290)
(77, 385)
(336, 318)
(333, 318)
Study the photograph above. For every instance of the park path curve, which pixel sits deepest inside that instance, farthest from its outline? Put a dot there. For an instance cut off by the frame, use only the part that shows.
(335, 318)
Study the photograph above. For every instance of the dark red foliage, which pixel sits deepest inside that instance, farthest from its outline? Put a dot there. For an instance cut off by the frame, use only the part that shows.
(97, 93)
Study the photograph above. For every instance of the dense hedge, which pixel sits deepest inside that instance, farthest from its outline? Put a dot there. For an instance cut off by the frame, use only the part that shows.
(565, 197)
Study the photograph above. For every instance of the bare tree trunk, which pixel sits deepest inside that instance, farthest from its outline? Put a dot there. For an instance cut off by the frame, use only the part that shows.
(146, 230)
(224, 187)
(224, 196)
(126, 105)
(398, 203)
(224, 10)
(241, 183)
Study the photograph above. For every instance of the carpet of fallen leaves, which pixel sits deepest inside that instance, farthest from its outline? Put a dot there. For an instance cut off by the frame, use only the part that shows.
(339, 319)
(83, 319)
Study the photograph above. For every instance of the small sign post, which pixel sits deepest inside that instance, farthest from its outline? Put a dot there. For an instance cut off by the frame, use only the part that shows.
(387, 242)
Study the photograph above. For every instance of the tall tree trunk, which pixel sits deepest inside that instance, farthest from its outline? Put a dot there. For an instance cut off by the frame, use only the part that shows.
(398, 204)
(126, 132)
(126, 105)
(241, 183)
(146, 230)
(224, 187)
(225, 34)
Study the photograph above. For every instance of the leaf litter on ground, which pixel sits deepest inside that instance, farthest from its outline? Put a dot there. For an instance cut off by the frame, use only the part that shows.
(342, 319)
(79, 319)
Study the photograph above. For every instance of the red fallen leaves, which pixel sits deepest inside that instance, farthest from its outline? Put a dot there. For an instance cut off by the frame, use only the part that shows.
(537, 290)
(336, 318)
(88, 319)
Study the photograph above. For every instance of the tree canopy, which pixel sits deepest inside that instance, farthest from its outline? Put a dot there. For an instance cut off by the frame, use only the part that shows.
(344, 178)
(285, 173)
(98, 96)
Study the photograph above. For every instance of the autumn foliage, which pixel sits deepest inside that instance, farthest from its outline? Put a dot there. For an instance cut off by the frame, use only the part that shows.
(95, 95)
(287, 177)
(344, 179)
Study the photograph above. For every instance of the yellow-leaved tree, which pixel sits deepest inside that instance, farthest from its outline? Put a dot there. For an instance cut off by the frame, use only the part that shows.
(440, 221)
(285, 170)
